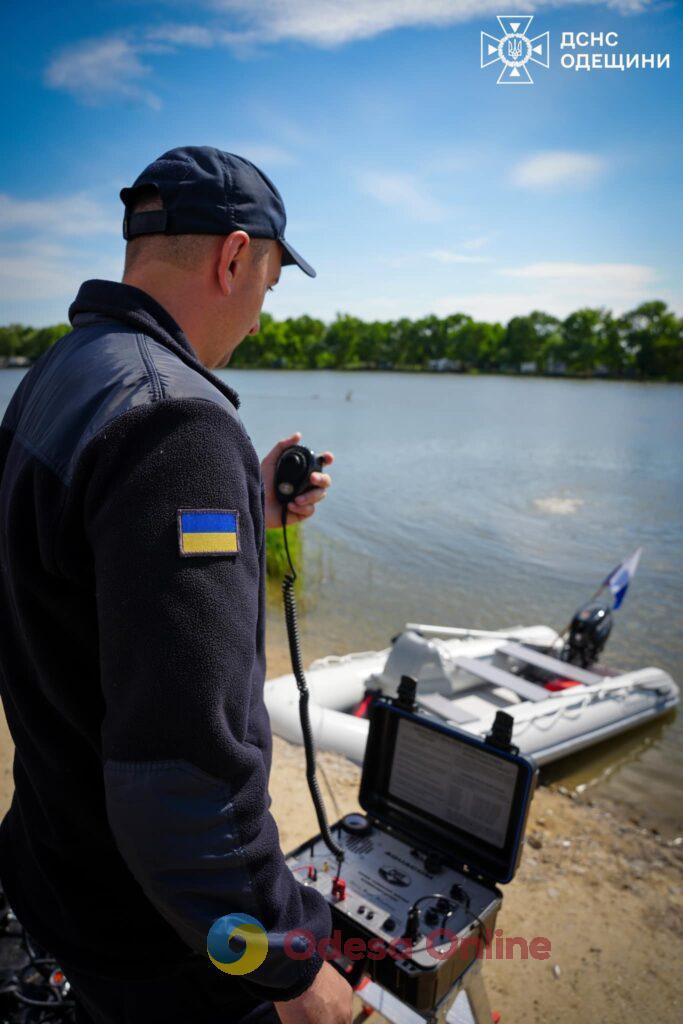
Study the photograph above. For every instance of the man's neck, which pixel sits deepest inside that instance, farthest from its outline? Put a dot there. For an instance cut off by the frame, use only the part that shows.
(181, 300)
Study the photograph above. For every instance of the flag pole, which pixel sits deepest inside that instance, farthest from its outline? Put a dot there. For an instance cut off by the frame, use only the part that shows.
(627, 567)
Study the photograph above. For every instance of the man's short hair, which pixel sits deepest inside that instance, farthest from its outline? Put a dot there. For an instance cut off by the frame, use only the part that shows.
(182, 251)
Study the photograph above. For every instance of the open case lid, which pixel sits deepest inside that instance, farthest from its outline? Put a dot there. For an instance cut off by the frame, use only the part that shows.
(451, 792)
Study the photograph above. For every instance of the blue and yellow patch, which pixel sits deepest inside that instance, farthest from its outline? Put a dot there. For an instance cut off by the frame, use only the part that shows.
(208, 531)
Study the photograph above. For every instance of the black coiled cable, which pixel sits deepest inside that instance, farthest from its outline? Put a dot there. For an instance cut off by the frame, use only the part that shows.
(291, 621)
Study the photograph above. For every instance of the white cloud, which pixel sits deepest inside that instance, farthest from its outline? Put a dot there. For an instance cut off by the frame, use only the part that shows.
(558, 169)
(558, 288)
(35, 271)
(451, 256)
(28, 272)
(476, 243)
(99, 69)
(47, 247)
(112, 67)
(334, 22)
(592, 276)
(399, 261)
(66, 215)
(488, 293)
(201, 36)
(492, 296)
(401, 191)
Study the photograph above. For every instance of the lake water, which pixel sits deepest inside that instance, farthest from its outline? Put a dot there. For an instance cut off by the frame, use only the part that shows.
(489, 502)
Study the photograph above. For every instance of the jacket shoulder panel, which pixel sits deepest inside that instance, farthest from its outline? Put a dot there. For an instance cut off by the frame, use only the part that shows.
(89, 379)
(178, 380)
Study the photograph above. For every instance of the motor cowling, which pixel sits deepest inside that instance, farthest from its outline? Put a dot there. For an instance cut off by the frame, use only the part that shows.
(589, 631)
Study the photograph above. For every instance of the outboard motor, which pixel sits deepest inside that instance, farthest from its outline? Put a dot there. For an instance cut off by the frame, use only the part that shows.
(588, 634)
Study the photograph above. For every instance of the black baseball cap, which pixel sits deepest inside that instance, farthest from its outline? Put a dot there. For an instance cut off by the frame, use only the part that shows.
(205, 191)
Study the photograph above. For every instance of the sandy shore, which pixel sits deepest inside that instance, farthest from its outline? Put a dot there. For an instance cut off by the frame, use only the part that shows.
(607, 893)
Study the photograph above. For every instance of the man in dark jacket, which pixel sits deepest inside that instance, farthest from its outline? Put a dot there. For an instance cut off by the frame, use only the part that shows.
(132, 516)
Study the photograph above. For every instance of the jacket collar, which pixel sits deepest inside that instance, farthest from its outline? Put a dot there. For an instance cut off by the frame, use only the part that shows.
(114, 301)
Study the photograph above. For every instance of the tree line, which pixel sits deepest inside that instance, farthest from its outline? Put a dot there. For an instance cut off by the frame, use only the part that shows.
(646, 343)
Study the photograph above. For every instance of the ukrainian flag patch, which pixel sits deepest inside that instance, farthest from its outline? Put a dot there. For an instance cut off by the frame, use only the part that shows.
(208, 531)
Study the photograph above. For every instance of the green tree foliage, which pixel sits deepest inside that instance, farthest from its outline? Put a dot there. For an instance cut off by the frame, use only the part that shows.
(645, 343)
(535, 338)
(653, 338)
(583, 335)
(29, 342)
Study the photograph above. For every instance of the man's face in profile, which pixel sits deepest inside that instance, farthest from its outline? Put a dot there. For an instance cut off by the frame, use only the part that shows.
(256, 274)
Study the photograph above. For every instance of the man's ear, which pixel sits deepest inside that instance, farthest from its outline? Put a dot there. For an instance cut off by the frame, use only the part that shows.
(233, 251)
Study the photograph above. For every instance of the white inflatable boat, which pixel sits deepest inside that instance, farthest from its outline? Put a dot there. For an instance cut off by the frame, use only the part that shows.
(464, 677)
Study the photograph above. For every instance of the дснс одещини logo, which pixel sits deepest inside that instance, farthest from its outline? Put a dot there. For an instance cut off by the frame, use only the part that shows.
(515, 49)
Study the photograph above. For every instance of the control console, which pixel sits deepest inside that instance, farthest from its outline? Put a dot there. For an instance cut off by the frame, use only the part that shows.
(443, 822)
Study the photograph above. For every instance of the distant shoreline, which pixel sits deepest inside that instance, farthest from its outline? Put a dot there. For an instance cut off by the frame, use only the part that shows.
(426, 372)
(646, 343)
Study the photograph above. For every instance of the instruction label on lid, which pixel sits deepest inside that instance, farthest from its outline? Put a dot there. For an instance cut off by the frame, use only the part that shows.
(456, 783)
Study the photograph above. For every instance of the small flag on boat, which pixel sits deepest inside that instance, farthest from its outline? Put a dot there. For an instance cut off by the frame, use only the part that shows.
(619, 579)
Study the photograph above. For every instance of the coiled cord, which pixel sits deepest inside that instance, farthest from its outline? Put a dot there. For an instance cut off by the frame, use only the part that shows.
(292, 623)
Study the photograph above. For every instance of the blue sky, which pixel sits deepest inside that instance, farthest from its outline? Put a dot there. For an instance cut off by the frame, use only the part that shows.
(413, 182)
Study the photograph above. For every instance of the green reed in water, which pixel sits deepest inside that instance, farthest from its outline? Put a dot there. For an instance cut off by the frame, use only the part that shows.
(276, 557)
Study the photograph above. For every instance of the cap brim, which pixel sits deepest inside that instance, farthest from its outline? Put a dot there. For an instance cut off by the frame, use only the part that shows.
(292, 256)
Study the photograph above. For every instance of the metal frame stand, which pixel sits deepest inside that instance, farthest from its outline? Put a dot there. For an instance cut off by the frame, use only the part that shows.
(466, 1003)
(473, 1001)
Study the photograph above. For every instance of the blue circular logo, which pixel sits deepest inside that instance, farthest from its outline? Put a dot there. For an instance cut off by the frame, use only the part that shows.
(237, 944)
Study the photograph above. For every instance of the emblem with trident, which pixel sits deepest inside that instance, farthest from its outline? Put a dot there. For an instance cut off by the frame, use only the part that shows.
(515, 49)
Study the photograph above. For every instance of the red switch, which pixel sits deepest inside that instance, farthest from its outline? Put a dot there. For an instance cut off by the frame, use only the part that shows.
(338, 890)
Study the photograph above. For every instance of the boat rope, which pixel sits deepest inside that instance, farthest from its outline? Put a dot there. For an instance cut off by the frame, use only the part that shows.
(571, 711)
(343, 659)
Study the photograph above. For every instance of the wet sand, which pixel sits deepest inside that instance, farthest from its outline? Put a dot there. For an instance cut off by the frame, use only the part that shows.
(605, 891)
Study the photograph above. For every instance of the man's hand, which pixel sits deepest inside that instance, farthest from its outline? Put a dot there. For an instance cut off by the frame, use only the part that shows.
(329, 1000)
(302, 507)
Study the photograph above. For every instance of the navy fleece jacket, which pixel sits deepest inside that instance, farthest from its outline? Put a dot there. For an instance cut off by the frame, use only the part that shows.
(131, 672)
